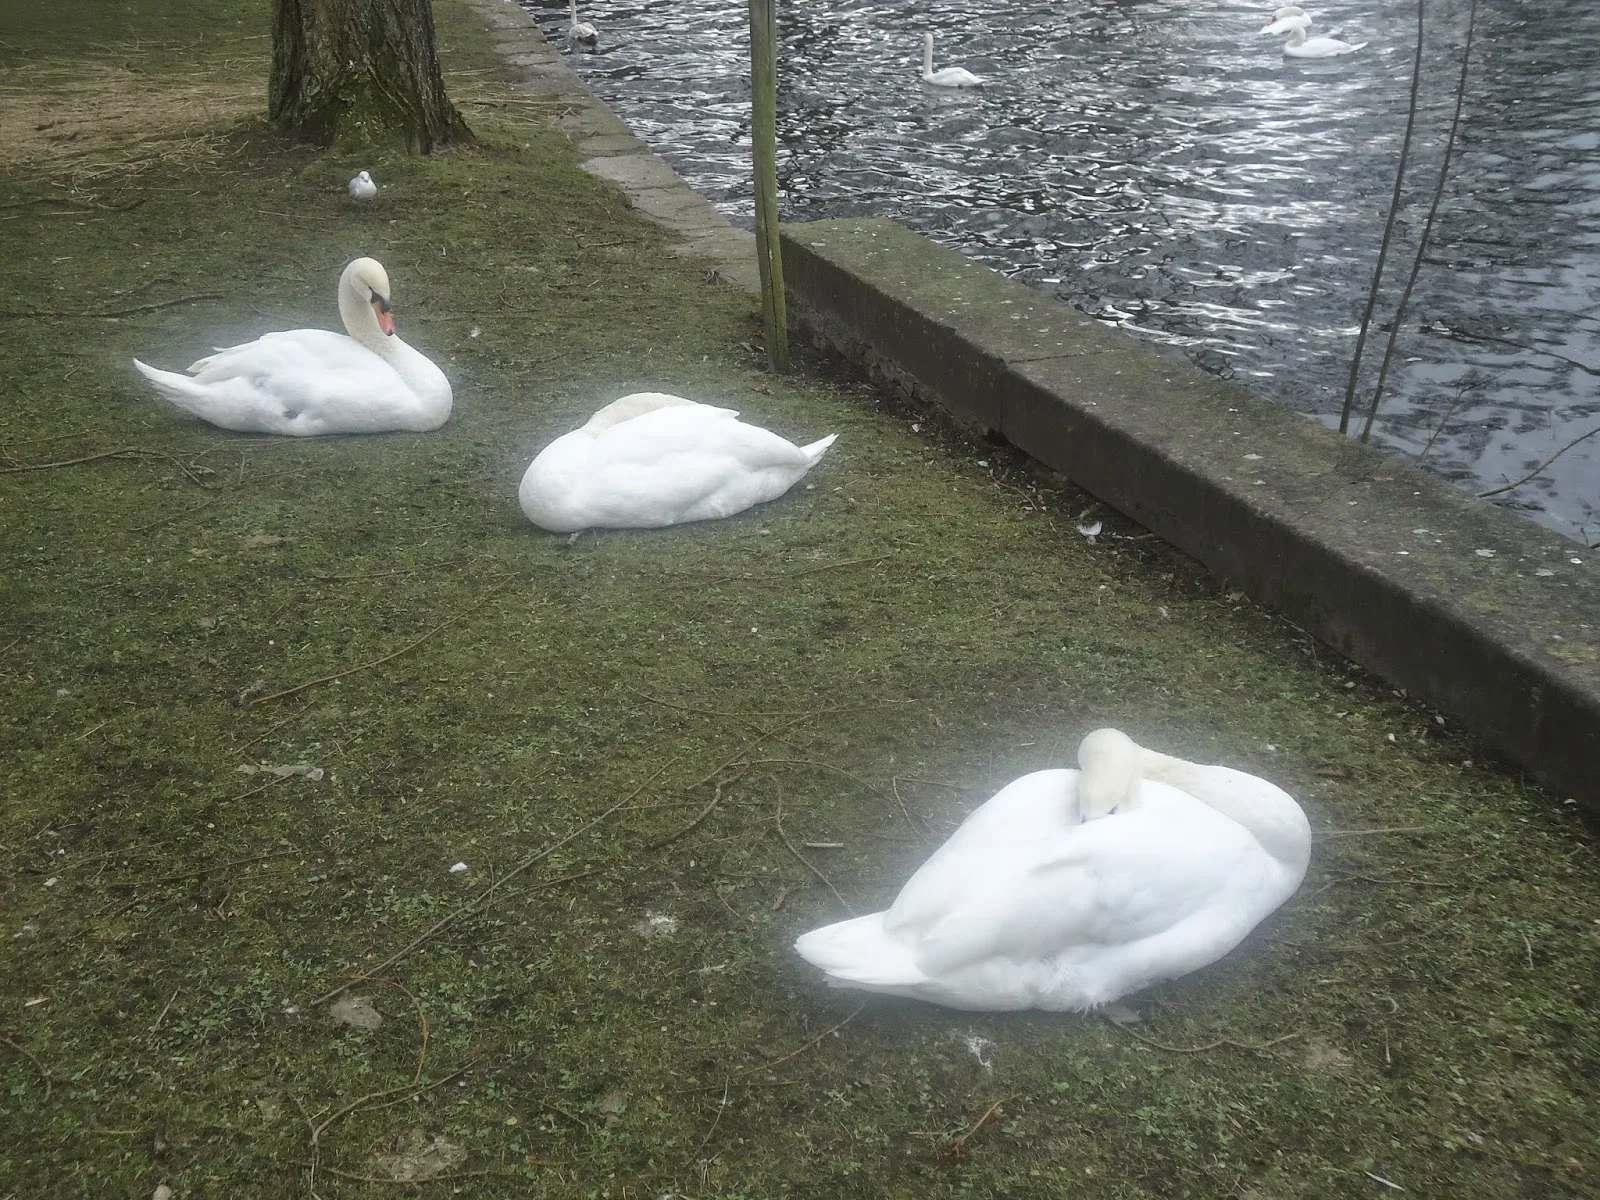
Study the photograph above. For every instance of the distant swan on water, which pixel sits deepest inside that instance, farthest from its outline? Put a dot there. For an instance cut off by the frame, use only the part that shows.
(950, 77)
(1293, 20)
(580, 31)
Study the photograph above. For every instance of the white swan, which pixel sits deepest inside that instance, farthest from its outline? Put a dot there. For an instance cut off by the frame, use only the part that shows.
(950, 77)
(1289, 10)
(1300, 46)
(1069, 889)
(1295, 23)
(650, 460)
(362, 187)
(310, 381)
(580, 31)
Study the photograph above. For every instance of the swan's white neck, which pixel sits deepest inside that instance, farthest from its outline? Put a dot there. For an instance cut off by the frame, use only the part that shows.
(1269, 813)
(1297, 35)
(927, 52)
(573, 9)
(360, 322)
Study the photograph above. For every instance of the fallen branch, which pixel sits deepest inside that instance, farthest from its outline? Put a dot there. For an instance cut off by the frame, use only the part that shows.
(720, 1108)
(44, 1073)
(767, 1066)
(406, 649)
(115, 312)
(411, 1090)
(1258, 1047)
(778, 821)
(418, 1182)
(487, 894)
(957, 1146)
(1582, 437)
(1367, 832)
(238, 862)
(124, 452)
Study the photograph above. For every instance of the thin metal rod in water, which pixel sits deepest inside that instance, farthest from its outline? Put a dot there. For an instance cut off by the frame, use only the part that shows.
(1388, 231)
(764, 160)
(1427, 228)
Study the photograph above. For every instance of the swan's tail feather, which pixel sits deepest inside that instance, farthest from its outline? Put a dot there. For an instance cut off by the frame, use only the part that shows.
(179, 389)
(817, 448)
(858, 953)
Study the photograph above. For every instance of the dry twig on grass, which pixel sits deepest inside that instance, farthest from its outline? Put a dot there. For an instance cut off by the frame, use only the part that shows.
(44, 1072)
(1259, 1047)
(767, 1066)
(108, 314)
(804, 862)
(124, 452)
(956, 1147)
(487, 894)
(406, 649)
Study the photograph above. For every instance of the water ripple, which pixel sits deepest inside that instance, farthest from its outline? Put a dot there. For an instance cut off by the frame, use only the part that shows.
(1159, 165)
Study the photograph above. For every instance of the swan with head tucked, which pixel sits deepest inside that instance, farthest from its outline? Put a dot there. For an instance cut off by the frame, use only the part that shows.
(306, 382)
(580, 31)
(1293, 21)
(950, 77)
(649, 460)
(1068, 889)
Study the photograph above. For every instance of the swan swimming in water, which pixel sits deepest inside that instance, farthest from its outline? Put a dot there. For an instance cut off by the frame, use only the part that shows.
(307, 382)
(1294, 21)
(650, 460)
(1069, 889)
(950, 77)
(580, 31)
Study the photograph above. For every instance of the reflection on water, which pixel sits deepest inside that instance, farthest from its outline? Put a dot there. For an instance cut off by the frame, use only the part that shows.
(1158, 164)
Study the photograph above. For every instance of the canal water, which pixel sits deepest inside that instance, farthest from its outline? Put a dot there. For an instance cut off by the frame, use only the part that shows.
(1160, 165)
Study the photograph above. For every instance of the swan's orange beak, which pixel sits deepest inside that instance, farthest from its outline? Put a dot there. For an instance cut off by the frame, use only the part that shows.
(385, 319)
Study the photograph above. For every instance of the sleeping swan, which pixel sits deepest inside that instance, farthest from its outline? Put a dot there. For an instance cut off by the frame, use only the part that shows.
(650, 460)
(311, 381)
(1069, 889)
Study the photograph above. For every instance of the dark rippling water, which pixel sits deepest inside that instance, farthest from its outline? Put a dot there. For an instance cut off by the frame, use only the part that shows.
(1161, 166)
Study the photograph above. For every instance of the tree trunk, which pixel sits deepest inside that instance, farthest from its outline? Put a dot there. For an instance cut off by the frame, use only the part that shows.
(360, 72)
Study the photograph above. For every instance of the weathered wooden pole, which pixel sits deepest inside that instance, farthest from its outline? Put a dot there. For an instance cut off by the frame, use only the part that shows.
(764, 160)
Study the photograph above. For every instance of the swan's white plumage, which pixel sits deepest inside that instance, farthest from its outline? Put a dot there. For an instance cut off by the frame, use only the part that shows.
(1301, 46)
(950, 77)
(1029, 906)
(1293, 21)
(580, 31)
(361, 187)
(306, 382)
(650, 459)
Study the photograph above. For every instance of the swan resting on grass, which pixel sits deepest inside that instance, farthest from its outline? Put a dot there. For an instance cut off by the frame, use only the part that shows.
(306, 382)
(1069, 889)
(950, 77)
(650, 460)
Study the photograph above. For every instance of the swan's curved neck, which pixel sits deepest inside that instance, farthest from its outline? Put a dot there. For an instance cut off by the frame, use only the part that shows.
(1269, 813)
(360, 322)
(1297, 35)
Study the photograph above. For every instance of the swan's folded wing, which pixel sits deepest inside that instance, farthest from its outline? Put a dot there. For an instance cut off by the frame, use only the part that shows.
(281, 352)
(1111, 882)
(695, 434)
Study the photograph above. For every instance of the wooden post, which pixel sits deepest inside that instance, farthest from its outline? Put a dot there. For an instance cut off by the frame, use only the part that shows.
(764, 159)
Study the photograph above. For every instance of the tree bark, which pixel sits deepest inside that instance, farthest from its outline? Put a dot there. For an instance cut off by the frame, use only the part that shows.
(360, 72)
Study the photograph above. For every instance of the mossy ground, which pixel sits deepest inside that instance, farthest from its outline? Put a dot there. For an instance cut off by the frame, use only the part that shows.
(858, 664)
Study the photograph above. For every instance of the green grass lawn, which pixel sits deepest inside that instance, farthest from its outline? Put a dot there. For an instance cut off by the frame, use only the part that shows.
(631, 739)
